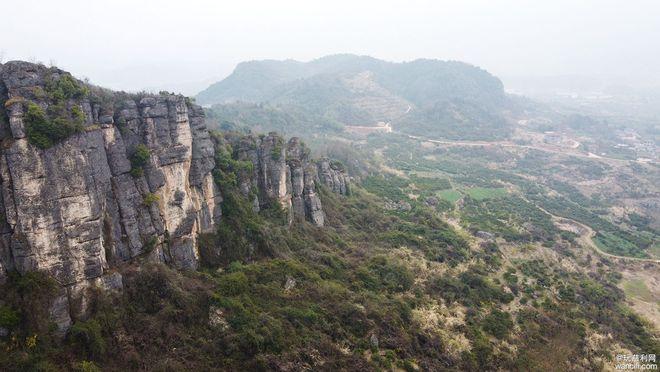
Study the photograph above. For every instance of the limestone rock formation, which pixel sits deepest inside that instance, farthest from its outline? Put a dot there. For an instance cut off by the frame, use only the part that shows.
(283, 173)
(132, 179)
(333, 175)
(306, 203)
(74, 209)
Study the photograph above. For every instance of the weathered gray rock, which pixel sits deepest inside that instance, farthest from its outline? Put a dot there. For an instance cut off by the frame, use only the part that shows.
(15, 114)
(373, 341)
(289, 284)
(112, 282)
(74, 211)
(272, 177)
(281, 173)
(59, 313)
(431, 201)
(484, 235)
(217, 318)
(400, 205)
(333, 176)
(306, 204)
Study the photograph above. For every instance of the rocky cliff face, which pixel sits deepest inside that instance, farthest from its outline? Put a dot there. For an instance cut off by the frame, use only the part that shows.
(282, 173)
(86, 204)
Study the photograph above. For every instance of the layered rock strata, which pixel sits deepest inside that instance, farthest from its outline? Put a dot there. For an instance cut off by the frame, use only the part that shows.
(84, 205)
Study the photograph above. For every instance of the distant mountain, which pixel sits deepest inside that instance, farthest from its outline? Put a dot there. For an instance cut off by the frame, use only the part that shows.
(439, 98)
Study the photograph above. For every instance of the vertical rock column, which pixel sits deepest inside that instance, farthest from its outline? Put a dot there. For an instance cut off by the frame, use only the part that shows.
(273, 172)
(306, 204)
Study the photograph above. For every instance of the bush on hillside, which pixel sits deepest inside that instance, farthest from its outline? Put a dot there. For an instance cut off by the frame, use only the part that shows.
(43, 132)
(139, 159)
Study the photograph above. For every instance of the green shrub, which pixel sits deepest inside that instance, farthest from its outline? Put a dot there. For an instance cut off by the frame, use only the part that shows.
(45, 129)
(65, 87)
(150, 244)
(224, 179)
(3, 116)
(140, 155)
(77, 115)
(266, 334)
(87, 337)
(384, 273)
(87, 366)
(241, 230)
(307, 316)
(227, 168)
(150, 198)
(276, 152)
(37, 126)
(150, 290)
(139, 159)
(470, 288)
(43, 132)
(275, 211)
(8, 317)
(481, 353)
(234, 283)
(338, 165)
(210, 249)
(498, 323)
(399, 238)
(137, 172)
(386, 186)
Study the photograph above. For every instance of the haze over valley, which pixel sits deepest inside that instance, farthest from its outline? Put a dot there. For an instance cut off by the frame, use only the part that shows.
(297, 187)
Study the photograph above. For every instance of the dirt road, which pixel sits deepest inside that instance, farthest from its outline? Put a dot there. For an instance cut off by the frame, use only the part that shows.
(586, 239)
(566, 152)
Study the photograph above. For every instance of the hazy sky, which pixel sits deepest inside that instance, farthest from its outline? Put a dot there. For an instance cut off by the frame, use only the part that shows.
(184, 44)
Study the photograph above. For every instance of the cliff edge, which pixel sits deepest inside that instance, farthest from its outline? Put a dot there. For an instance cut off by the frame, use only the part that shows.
(92, 178)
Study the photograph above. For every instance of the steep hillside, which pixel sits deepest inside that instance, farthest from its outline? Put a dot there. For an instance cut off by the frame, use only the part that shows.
(92, 179)
(445, 99)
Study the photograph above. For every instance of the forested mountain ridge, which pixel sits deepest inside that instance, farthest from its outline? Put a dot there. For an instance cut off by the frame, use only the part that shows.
(420, 81)
(444, 98)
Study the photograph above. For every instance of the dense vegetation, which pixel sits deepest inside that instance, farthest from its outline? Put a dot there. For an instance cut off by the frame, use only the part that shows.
(63, 116)
(469, 175)
(424, 97)
(513, 218)
(420, 81)
(263, 117)
(376, 289)
(139, 158)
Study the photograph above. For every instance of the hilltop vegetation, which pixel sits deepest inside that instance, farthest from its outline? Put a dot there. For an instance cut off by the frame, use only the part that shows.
(431, 97)
(264, 117)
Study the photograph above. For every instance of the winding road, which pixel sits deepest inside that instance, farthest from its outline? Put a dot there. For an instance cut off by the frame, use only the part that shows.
(586, 238)
(566, 152)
